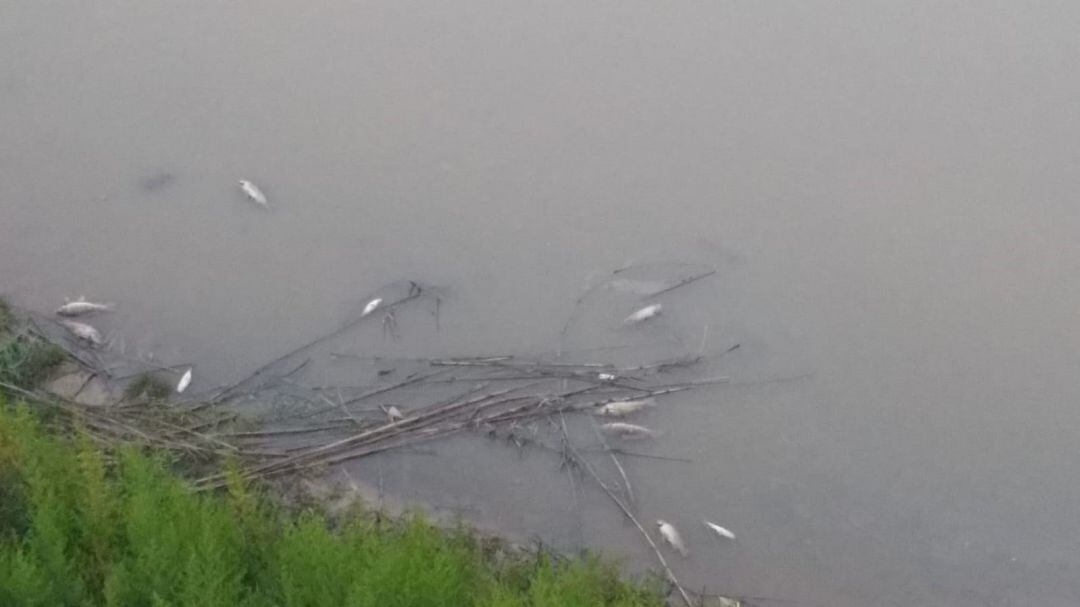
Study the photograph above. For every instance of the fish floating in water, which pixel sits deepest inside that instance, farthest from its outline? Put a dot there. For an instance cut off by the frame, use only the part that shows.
(624, 407)
(157, 182)
(184, 382)
(253, 192)
(606, 376)
(722, 532)
(643, 314)
(80, 306)
(672, 537)
(393, 413)
(83, 331)
(371, 306)
(627, 431)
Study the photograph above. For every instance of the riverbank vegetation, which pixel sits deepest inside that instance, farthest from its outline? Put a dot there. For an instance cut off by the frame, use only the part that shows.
(83, 526)
(24, 360)
(116, 490)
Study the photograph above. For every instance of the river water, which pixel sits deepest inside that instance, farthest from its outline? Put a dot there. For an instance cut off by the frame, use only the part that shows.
(887, 190)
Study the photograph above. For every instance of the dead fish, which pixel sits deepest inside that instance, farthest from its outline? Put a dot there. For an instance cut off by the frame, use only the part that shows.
(83, 331)
(80, 306)
(627, 431)
(393, 413)
(672, 537)
(624, 407)
(254, 193)
(643, 314)
(720, 530)
(370, 307)
(606, 376)
(184, 382)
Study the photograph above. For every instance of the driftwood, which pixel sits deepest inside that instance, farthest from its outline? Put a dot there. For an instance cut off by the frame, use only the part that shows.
(544, 393)
(414, 291)
(625, 509)
(615, 459)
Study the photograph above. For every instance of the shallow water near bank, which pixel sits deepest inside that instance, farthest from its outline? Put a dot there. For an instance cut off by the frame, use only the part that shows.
(887, 194)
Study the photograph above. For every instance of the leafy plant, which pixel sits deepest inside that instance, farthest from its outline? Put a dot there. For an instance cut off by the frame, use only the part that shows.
(81, 527)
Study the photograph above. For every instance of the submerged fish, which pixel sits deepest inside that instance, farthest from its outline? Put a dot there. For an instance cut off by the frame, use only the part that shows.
(370, 307)
(184, 382)
(643, 314)
(80, 306)
(628, 431)
(720, 530)
(672, 537)
(254, 193)
(624, 407)
(156, 182)
(83, 331)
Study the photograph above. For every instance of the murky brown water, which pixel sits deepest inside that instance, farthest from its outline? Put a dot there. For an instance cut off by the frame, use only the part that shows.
(888, 189)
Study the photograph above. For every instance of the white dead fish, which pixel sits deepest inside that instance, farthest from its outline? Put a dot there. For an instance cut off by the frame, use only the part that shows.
(627, 431)
(606, 376)
(392, 413)
(83, 331)
(370, 307)
(185, 381)
(624, 407)
(720, 530)
(643, 314)
(672, 537)
(253, 192)
(80, 306)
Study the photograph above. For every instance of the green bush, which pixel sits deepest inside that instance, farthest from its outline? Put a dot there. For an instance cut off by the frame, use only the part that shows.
(77, 528)
(26, 362)
(6, 318)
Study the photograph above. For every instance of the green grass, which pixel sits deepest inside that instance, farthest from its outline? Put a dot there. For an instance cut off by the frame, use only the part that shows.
(81, 527)
(6, 318)
(26, 362)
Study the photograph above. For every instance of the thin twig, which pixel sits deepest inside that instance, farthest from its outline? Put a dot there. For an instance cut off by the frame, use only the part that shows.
(285, 432)
(633, 519)
(573, 483)
(650, 456)
(411, 380)
(615, 459)
(414, 292)
(681, 283)
(344, 410)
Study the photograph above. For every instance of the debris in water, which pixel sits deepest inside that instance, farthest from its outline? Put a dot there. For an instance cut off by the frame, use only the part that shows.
(645, 288)
(672, 537)
(625, 407)
(393, 413)
(643, 314)
(606, 376)
(627, 431)
(254, 193)
(371, 306)
(184, 382)
(80, 306)
(83, 331)
(720, 530)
